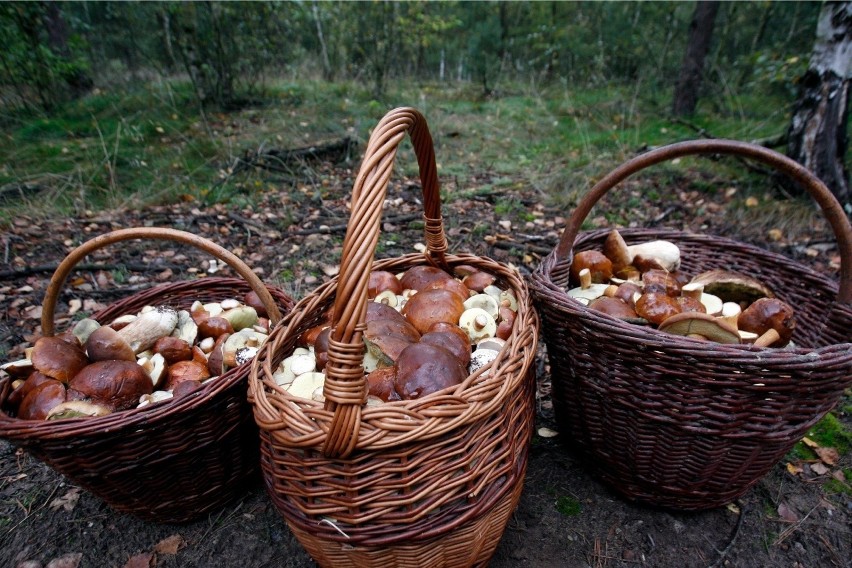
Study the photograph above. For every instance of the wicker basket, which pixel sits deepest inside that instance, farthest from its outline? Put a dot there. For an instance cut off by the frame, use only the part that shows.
(428, 482)
(170, 462)
(682, 423)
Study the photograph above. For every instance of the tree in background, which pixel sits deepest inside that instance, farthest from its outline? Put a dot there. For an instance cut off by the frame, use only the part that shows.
(698, 45)
(817, 137)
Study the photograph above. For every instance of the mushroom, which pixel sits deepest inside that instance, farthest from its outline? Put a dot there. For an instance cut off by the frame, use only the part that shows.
(306, 386)
(769, 313)
(478, 281)
(478, 324)
(385, 339)
(451, 285)
(699, 324)
(184, 388)
(146, 329)
(378, 310)
(84, 328)
(19, 369)
(154, 397)
(586, 291)
(388, 298)
(480, 358)
(216, 356)
(656, 307)
(185, 371)
(174, 349)
(23, 389)
(662, 254)
(383, 281)
(616, 308)
(380, 383)
(423, 369)
(214, 326)
(598, 265)
(252, 299)
(58, 358)
(732, 286)
(114, 384)
(506, 321)
(241, 317)
(661, 281)
(76, 409)
(451, 342)
(105, 343)
(493, 343)
(430, 306)
(485, 302)
(730, 313)
(186, 328)
(156, 367)
(41, 400)
(417, 277)
(239, 340)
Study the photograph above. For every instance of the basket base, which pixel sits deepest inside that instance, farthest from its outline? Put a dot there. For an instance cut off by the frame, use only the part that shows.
(472, 544)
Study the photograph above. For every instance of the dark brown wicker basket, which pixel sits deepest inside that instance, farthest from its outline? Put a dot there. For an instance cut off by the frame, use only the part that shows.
(420, 483)
(169, 462)
(682, 423)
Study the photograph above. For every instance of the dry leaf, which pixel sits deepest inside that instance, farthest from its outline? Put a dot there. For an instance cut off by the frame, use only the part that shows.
(786, 513)
(547, 432)
(794, 469)
(144, 560)
(809, 443)
(74, 306)
(165, 275)
(67, 501)
(32, 312)
(829, 456)
(71, 560)
(732, 507)
(819, 468)
(170, 545)
(330, 270)
(838, 475)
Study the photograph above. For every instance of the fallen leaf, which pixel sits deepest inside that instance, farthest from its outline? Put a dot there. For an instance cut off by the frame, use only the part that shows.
(829, 456)
(329, 270)
(144, 560)
(810, 443)
(775, 235)
(732, 507)
(33, 312)
(67, 501)
(786, 513)
(170, 545)
(165, 275)
(838, 475)
(547, 432)
(71, 560)
(819, 468)
(794, 469)
(74, 306)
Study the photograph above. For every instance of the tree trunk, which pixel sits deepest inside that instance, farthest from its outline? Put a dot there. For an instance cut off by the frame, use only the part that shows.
(817, 136)
(698, 45)
(326, 63)
(57, 40)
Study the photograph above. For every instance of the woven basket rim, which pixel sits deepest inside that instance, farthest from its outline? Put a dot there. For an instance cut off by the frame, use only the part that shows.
(15, 428)
(543, 287)
(423, 418)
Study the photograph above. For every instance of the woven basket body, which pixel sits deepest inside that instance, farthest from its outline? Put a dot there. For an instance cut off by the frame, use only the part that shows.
(170, 462)
(688, 424)
(427, 482)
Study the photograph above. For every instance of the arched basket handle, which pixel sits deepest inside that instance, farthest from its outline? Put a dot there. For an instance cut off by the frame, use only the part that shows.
(831, 208)
(57, 281)
(345, 384)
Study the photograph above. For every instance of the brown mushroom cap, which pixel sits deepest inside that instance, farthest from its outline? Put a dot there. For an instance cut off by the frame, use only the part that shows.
(417, 277)
(173, 349)
(600, 267)
(769, 313)
(479, 280)
(58, 357)
(697, 323)
(186, 371)
(614, 307)
(214, 327)
(17, 396)
(444, 326)
(423, 369)
(657, 307)
(377, 310)
(114, 384)
(387, 338)
(105, 343)
(656, 280)
(41, 400)
(381, 383)
(688, 304)
(430, 306)
(451, 285)
(615, 249)
(451, 342)
(253, 300)
(381, 280)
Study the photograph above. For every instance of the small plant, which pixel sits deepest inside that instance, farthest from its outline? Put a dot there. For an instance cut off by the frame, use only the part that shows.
(568, 506)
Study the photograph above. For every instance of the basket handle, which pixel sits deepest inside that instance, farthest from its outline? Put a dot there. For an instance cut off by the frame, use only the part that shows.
(345, 384)
(57, 281)
(815, 187)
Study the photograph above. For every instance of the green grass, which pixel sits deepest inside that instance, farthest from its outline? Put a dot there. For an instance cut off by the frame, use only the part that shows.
(568, 506)
(829, 432)
(152, 144)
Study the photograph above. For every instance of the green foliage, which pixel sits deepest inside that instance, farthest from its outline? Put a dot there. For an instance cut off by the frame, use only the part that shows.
(828, 433)
(568, 506)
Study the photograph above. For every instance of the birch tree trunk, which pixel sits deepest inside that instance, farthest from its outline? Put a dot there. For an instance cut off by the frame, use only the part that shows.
(817, 136)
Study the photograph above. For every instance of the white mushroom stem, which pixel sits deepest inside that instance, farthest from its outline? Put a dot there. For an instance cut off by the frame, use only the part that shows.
(480, 321)
(664, 252)
(692, 290)
(585, 278)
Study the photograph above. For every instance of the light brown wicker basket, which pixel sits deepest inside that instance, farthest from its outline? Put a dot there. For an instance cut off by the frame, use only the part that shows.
(169, 462)
(428, 482)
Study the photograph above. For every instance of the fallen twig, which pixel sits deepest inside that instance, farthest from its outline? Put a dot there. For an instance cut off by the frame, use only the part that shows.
(734, 535)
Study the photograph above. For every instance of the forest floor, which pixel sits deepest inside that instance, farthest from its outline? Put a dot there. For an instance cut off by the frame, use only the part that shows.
(292, 238)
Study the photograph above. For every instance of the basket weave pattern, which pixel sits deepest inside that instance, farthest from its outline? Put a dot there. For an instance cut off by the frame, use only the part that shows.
(170, 462)
(427, 482)
(685, 424)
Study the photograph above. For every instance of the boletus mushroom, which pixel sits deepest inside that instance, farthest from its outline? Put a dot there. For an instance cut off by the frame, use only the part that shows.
(768, 314)
(116, 385)
(423, 369)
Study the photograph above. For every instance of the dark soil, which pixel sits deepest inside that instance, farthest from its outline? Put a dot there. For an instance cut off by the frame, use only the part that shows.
(566, 517)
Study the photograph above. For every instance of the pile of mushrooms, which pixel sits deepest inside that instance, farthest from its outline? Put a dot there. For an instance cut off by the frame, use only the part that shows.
(426, 330)
(642, 284)
(136, 360)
